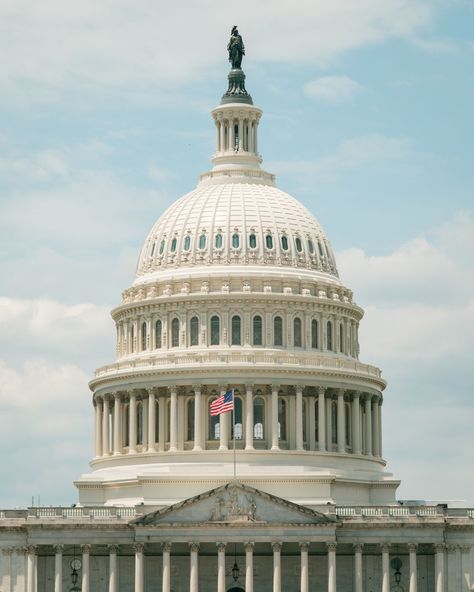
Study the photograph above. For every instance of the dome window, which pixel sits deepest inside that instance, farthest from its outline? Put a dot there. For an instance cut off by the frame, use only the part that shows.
(320, 249)
(269, 241)
(314, 334)
(236, 330)
(257, 330)
(144, 336)
(235, 240)
(158, 327)
(174, 242)
(218, 241)
(202, 241)
(299, 245)
(284, 243)
(153, 250)
(278, 331)
(194, 326)
(187, 243)
(162, 246)
(329, 335)
(215, 330)
(310, 246)
(253, 241)
(175, 332)
(297, 338)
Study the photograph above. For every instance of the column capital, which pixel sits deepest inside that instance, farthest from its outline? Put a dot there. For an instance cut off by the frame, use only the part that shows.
(58, 548)
(197, 387)
(321, 390)
(276, 547)
(304, 546)
(331, 546)
(151, 391)
(356, 394)
(249, 545)
(465, 548)
(138, 547)
(385, 547)
(30, 549)
(221, 546)
(113, 548)
(194, 546)
(7, 551)
(20, 550)
(249, 386)
(439, 547)
(166, 547)
(300, 388)
(358, 547)
(340, 392)
(275, 388)
(412, 547)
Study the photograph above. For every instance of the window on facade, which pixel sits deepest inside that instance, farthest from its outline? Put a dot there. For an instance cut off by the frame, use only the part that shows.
(297, 339)
(258, 418)
(214, 426)
(218, 241)
(237, 419)
(175, 332)
(187, 242)
(139, 423)
(269, 241)
(281, 419)
(194, 331)
(215, 330)
(235, 240)
(314, 334)
(329, 335)
(284, 243)
(162, 246)
(158, 327)
(257, 330)
(341, 338)
(310, 246)
(236, 330)
(190, 420)
(253, 241)
(334, 422)
(174, 242)
(143, 336)
(153, 249)
(278, 331)
(299, 245)
(320, 249)
(202, 241)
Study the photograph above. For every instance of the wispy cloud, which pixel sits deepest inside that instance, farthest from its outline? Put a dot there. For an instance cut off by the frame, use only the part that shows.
(332, 89)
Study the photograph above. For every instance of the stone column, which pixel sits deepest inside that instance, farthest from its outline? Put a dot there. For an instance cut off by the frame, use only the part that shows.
(356, 439)
(139, 574)
(413, 581)
(322, 419)
(249, 567)
(241, 133)
(375, 428)
(310, 419)
(385, 568)
(173, 419)
(31, 568)
(113, 569)
(194, 568)
(222, 146)
(331, 567)
(299, 418)
(144, 411)
(439, 568)
(117, 424)
(304, 573)
(276, 548)
(58, 568)
(105, 427)
(166, 570)
(7, 570)
(132, 421)
(221, 567)
(197, 418)
(151, 420)
(98, 429)
(379, 413)
(368, 425)
(466, 568)
(161, 422)
(231, 135)
(341, 422)
(249, 417)
(223, 426)
(275, 444)
(329, 443)
(358, 582)
(86, 553)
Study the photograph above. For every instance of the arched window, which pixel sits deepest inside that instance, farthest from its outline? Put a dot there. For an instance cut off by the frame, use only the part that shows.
(299, 245)
(194, 331)
(214, 425)
(190, 420)
(235, 240)
(144, 336)
(284, 243)
(187, 242)
(334, 422)
(257, 330)
(174, 242)
(153, 250)
(218, 241)
(314, 334)
(310, 246)
(238, 418)
(281, 419)
(341, 338)
(258, 418)
(269, 241)
(278, 331)
(162, 246)
(329, 335)
(202, 241)
(215, 330)
(158, 327)
(297, 340)
(320, 249)
(252, 241)
(236, 330)
(175, 332)
(139, 422)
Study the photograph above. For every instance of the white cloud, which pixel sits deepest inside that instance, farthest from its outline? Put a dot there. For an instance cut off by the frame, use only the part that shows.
(332, 89)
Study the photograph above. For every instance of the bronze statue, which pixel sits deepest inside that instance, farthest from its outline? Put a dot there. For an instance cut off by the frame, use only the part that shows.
(235, 48)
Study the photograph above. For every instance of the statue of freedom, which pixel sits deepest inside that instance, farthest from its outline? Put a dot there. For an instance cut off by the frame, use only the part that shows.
(235, 48)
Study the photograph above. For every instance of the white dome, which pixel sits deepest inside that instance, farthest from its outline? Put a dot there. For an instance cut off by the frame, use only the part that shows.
(236, 223)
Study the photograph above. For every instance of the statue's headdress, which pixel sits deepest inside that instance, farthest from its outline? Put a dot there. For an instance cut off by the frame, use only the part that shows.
(234, 29)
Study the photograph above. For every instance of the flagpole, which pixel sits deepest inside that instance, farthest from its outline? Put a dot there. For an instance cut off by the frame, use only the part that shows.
(233, 433)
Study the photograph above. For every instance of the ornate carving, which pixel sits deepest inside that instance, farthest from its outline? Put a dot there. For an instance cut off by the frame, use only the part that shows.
(138, 547)
(233, 509)
(331, 547)
(304, 547)
(276, 547)
(221, 547)
(358, 547)
(58, 549)
(194, 547)
(113, 549)
(248, 546)
(412, 547)
(166, 547)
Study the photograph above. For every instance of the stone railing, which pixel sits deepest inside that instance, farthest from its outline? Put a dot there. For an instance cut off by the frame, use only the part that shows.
(398, 511)
(71, 512)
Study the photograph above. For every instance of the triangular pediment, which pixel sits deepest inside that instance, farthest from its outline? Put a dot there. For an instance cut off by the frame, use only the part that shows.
(234, 503)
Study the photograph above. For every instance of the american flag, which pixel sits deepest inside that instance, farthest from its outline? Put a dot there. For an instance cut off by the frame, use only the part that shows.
(223, 403)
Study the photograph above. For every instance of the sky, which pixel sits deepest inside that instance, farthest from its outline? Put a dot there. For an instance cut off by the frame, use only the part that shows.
(104, 122)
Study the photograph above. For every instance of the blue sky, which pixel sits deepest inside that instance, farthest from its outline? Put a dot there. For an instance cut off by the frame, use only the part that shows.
(104, 121)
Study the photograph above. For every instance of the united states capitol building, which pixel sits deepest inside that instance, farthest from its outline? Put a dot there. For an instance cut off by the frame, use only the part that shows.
(237, 288)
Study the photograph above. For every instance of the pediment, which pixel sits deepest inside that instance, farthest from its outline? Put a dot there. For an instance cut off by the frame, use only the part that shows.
(234, 503)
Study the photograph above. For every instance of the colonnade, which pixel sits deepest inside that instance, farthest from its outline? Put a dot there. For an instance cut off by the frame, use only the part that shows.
(275, 417)
(237, 133)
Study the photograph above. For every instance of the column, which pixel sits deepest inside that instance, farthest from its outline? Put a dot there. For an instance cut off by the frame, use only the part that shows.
(132, 417)
(173, 419)
(368, 424)
(139, 579)
(117, 424)
(379, 412)
(356, 439)
(223, 427)
(310, 418)
(221, 567)
(151, 420)
(248, 567)
(197, 418)
(7, 570)
(358, 567)
(31, 568)
(331, 567)
(276, 548)
(299, 418)
(222, 136)
(58, 568)
(275, 445)
(466, 567)
(166, 571)
(85, 584)
(144, 412)
(375, 428)
(161, 423)
(255, 137)
(241, 133)
(341, 422)
(439, 568)
(217, 136)
(98, 428)
(329, 424)
(321, 419)
(249, 417)
(385, 568)
(304, 583)
(231, 135)
(413, 581)
(113, 569)
(194, 568)
(105, 427)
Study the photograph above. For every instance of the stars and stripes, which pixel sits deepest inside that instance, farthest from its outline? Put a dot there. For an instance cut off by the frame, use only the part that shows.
(223, 403)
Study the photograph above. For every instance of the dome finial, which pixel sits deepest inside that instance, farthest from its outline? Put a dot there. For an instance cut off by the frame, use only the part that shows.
(236, 93)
